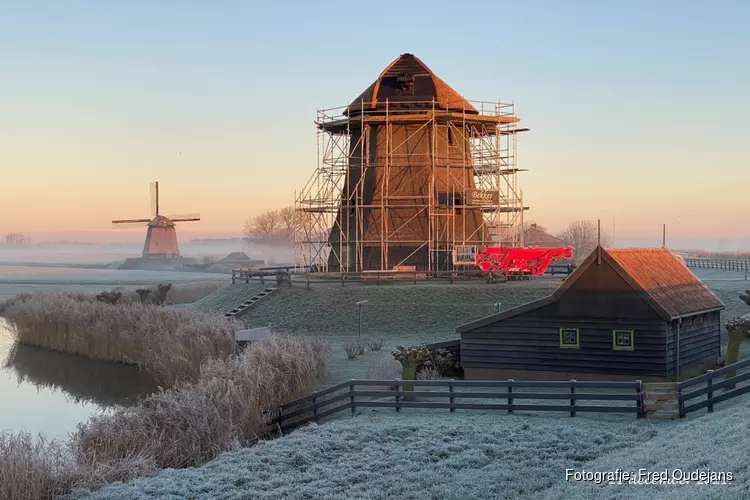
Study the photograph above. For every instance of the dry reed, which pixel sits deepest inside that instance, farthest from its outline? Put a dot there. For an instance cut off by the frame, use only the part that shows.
(171, 344)
(227, 407)
(29, 468)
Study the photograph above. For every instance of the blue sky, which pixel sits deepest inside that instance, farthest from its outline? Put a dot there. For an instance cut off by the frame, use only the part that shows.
(636, 109)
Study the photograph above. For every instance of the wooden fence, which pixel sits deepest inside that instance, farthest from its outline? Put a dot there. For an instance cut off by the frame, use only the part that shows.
(399, 394)
(666, 400)
(722, 264)
(714, 391)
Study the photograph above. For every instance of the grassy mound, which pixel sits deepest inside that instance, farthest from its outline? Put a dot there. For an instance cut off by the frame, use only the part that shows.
(228, 297)
(423, 312)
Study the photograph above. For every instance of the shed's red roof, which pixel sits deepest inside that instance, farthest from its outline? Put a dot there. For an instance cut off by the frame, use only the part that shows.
(666, 279)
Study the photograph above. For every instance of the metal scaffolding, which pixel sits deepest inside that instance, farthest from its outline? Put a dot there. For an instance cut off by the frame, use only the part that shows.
(473, 152)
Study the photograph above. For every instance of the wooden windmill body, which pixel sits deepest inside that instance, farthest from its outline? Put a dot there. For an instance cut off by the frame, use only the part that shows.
(409, 196)
(161, 234)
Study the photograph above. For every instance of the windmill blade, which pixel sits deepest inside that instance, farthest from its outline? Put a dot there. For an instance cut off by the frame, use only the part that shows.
(184, 217)
(154, 198)
(123, 224)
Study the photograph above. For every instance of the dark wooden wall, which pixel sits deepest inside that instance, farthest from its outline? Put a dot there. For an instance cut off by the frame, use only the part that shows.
(700, 342)
(531, 342)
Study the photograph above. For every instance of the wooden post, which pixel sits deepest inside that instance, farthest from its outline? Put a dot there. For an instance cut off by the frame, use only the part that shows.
(710, 393)
(415, 277)
(315, 408)
(572, 400)
(307, 279)
(510, 395)
(639, 400)
(451, 400)
(398, 398)
(342, 279)
(351, 396)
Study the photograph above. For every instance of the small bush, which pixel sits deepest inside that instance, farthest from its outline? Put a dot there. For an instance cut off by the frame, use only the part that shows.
(429, 373)
(352, 349)
(384, 368)
(374, 343)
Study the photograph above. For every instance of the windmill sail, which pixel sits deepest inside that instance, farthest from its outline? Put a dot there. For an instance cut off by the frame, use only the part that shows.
(184, 217)
(154, 198)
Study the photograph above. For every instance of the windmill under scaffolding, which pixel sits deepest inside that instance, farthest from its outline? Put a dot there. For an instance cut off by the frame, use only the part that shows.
(407, 173)
(161, 235)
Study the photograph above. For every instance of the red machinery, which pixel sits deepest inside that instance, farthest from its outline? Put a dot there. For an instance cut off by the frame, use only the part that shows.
(510, 260)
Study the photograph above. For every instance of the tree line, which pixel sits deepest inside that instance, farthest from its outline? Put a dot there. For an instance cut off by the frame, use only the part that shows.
(17, 239)
(280, 225)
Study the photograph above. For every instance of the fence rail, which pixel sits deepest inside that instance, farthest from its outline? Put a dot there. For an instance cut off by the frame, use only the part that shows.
(382, 277)
(399, 394)
(721, 264)
(726, 389)
(644, 400)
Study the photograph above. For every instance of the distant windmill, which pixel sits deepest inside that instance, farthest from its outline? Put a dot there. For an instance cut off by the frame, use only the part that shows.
(161, 237)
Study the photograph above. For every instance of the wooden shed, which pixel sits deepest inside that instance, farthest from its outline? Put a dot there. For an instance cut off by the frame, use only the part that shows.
(623, 313)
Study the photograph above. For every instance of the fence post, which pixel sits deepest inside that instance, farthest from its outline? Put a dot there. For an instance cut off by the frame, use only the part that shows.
(510, 395)
(315, 407)
(680, 401)
(351, 396)
(710, 394)
(572, 400)
(307, 280)
(398, 398)
(639, 400)
(451, 399)
(342, 279)
(415, 277)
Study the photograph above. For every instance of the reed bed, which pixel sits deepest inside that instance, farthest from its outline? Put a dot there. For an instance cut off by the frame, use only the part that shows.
(184, 293)
(187, 425)
(171, 344)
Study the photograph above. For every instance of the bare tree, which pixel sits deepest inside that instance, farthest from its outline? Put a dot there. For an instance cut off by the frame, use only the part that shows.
(291, 222)
(17, 239)
(582, 236)
(264, 226)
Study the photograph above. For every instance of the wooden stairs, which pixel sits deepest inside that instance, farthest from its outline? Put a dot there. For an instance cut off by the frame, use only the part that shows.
(243, 307)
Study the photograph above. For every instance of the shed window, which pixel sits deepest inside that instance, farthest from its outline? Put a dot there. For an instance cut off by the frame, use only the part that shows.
(623, 340)
(569, 338)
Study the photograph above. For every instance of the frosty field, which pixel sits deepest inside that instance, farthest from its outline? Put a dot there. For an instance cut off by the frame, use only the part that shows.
(436, 455)
(19, 279)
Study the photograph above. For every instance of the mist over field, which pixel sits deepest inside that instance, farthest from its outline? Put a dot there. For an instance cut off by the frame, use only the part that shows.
(81, 252)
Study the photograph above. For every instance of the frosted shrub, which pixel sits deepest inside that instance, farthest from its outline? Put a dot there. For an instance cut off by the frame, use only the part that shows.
(374, 343)
(352, 349)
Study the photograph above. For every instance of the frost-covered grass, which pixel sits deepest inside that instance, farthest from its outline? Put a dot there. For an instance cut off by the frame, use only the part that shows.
(169, 343)
(441, 455)
(420, 454)
(179, 427)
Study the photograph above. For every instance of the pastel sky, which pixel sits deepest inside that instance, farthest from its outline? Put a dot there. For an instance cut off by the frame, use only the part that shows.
(638, 110)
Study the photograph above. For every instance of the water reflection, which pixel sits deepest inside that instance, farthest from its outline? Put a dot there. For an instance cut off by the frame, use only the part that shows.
(83, 379)
(51, 392)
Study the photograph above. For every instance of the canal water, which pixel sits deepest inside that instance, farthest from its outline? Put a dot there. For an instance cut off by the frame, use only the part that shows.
(49, 392)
